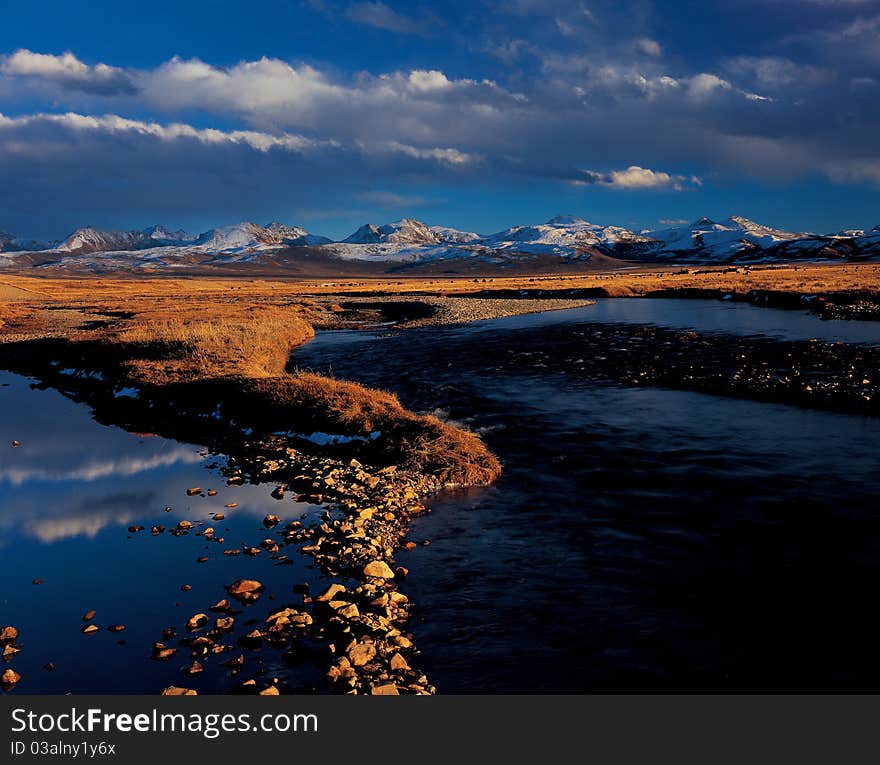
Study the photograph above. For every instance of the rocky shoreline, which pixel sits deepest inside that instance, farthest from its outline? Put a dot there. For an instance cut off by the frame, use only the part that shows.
(356, 628)
(435, 310)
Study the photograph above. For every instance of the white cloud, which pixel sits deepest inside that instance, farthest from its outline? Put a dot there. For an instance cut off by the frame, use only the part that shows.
(649, 47)
(635, 178)
(67, 71)
(704, 84)
(114, 124)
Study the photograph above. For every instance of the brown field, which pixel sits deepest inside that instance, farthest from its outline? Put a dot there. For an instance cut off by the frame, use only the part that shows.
(802, 278)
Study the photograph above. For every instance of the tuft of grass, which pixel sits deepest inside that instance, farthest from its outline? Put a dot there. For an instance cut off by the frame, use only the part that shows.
(413, 441)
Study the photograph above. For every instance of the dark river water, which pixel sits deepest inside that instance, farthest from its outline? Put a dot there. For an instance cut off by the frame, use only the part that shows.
(639, 538)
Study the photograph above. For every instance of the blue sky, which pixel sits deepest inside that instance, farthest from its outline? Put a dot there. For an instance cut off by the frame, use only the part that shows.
(476, 114)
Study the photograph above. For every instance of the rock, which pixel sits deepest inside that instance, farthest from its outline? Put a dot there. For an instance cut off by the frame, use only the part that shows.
(410, 546)
(167, 509)
(161, 652)
(271, 520)
(8, 635)
(135, 529)
(169, 633)
(224, 623)
(186, 587)
(9, 651)
(331, 592)
(156, 530)
(212, 492)
(184, 525)
(361, 653)
(38, 581)
(378, 569)
(221, 606)
(245, 590)
(16, 444)
(89, 615)
(348, 611)
(202, 559)
(387, 689)
(229, 505)
(89, 629)
(9, 679)
(398, 662)
(401, 572)
(116, 628)
(253, 639)
(49, 666)
(270, 691)
(173, 690)
(194, 669)
(196, 622)
(193, 491)
(278, 492)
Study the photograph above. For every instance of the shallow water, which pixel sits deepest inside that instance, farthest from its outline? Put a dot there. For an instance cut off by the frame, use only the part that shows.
(69, 494)
(723, 316)
(639, 538)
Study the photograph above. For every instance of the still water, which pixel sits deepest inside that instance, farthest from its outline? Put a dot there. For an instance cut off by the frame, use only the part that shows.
(67, 497)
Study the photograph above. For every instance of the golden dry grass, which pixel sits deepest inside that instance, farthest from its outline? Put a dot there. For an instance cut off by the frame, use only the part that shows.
(126, 292)
(253, 345)
(418, 442)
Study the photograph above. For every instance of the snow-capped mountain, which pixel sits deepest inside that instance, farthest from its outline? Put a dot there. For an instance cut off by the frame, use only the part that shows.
(727, 239)
(448, 235)
(410, 242)
(160, 235)
(10, 243)
(90, 239)
(562, 235)
(404, 231)
(240, 236)
(295, 235)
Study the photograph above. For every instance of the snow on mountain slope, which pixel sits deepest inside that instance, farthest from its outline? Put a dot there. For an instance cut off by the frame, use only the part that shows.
(90, 239)
(704, 239)
(240, 236)
(404, 231)
(562, 235)
(160, 235)
(295, 235)
(449, 235)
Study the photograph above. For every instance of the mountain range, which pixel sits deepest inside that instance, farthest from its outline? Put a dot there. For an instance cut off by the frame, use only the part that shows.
(409, 243)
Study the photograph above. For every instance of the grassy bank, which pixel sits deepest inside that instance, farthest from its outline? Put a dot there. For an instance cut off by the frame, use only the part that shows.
(188, 359)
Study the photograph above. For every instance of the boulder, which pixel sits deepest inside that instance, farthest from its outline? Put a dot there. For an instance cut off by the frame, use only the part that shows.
(378, 569)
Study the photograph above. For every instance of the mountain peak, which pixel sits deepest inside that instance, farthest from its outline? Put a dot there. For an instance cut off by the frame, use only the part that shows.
(403, 231)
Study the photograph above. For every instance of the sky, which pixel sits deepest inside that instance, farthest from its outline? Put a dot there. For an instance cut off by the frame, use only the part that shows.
(468, 113)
